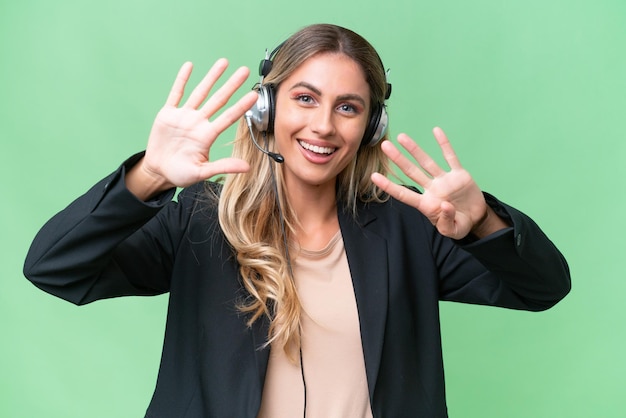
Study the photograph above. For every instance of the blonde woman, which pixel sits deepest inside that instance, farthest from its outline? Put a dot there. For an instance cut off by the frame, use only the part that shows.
(307, 284)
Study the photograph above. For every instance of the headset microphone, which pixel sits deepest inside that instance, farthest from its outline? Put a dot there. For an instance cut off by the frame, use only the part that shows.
(274, 156)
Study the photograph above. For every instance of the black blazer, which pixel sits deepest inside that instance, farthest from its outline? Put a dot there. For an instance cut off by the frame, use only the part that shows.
(109, 244)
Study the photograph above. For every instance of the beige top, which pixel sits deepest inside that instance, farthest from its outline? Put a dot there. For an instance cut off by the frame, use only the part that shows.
(332, 354)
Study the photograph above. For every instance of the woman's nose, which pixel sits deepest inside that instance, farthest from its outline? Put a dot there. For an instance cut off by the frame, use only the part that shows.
(322, 122)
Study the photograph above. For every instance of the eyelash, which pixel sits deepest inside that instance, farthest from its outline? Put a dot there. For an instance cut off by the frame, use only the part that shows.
(302, 97)
(353, 109)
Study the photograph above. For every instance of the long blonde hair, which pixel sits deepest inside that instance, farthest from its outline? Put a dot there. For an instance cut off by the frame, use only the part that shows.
(250, 204)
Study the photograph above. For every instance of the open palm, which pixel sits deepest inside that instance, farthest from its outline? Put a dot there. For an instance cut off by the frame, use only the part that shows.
(181, 137)
(451, 200)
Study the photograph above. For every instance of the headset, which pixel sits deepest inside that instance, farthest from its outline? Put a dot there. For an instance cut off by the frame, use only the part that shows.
(263, 113)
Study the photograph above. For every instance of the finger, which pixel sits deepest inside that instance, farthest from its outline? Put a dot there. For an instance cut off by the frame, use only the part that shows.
(422, 158)
(407, 166)
(200, 93)
(445, 223)
(397, 191)
(178, 88)
(223, 95)
(223, 166)
(234, 112)
(446, 148)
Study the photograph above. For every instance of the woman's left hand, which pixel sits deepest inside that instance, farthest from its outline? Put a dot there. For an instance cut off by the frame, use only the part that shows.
(451, 200)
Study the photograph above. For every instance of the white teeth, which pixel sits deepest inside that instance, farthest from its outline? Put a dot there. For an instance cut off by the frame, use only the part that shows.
(316, 149)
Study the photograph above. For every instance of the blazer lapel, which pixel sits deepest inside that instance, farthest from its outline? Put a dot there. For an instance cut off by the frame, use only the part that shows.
(367, 259)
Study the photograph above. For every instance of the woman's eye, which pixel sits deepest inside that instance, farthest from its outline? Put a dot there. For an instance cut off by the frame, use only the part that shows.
(305, 98)
(348, 108)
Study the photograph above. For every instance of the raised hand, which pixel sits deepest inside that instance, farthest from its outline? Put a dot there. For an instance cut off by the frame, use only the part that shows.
(178, 148)
(451, 200)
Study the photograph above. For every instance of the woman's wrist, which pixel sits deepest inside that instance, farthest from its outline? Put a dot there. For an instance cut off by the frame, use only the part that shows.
(488, 224)
(143, 183)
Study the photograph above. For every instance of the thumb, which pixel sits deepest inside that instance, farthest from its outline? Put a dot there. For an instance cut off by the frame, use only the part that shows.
(445, 224)
(223, 166)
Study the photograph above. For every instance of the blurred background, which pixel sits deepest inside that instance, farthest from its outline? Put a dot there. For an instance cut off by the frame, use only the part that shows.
(531, 93)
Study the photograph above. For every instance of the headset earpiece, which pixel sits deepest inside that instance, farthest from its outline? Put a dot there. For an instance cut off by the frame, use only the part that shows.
(262, 113)
(376, 126)
(265, 66)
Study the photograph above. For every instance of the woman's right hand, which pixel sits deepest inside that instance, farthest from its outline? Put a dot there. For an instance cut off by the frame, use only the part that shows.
(177, 154)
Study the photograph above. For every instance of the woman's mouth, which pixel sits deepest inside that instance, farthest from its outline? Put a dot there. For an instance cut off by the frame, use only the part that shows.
(316, 149)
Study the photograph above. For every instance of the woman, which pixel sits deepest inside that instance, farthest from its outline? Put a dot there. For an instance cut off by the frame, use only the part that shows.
(307, 285)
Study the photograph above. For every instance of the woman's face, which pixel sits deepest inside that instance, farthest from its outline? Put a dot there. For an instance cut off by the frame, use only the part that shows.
(322, 110)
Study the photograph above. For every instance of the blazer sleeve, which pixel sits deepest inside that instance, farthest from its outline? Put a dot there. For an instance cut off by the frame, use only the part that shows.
(107, 243)
(521, 267)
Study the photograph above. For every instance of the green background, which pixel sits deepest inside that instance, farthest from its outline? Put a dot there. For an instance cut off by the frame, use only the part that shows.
(532, 93)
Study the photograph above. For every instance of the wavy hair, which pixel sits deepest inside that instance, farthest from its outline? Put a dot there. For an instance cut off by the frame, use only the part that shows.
(254, 213)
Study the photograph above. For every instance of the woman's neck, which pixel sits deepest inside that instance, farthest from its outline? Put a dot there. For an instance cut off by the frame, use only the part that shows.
(316, 210)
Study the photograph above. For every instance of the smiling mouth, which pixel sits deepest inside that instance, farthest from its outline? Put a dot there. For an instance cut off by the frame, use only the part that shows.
(316, 149)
